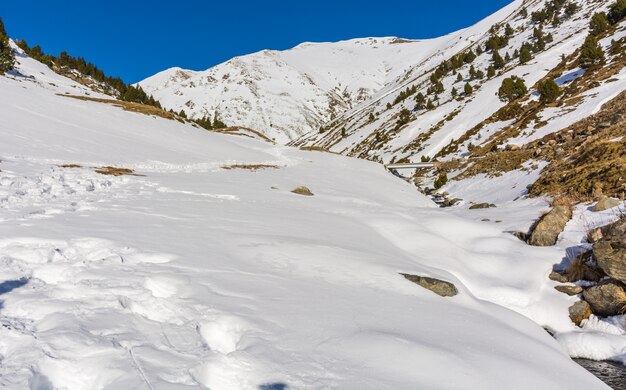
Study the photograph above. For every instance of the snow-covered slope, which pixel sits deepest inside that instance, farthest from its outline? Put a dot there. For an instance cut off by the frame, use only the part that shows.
(196, 276)
(427, 132)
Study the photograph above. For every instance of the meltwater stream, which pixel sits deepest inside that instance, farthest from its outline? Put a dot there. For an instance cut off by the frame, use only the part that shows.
(611, 373)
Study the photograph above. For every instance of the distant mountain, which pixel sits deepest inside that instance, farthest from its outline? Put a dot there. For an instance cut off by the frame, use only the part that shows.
(286, 94)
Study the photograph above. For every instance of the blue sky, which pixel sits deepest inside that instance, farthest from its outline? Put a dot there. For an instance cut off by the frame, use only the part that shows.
(135, 39)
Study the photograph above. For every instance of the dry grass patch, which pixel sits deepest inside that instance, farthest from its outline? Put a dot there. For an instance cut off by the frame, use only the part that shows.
(580, 269)
(241, 132)
(496, 163)
(594, 158)
(71, 166)
(250, 167)
(130, 106)
(317, 149)
(116, 171)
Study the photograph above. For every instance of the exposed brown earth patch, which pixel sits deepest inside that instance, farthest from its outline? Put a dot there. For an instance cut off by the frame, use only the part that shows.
(116, 171)
(250, 167)
(130, 106)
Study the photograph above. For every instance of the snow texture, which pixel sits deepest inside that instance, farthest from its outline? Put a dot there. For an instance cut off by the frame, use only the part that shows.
(197, 276)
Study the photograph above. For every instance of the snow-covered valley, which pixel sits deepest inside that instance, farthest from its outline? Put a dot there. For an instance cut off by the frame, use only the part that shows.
(139, 250)
(189, 274)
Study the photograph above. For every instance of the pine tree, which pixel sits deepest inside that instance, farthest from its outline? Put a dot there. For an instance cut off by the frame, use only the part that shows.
(420, 100)
(524, 13)
(591, 53)
(570, 9)
(430, 105)
(469, 56)
(598, 24)
(512, 88)
(548, 90)
(7, 57)
(491, 71)
(468, 89)
(439, 87)
(218, 124)
(454, 92)
(459, 78)
(204, 122)
(540, 41)
(617, 11)
(440, 181)
(182, 114)
(508, 31)
(498, 61)
(524, 54)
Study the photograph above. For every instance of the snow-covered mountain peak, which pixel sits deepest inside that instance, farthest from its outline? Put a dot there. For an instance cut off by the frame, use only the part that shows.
(312, 83)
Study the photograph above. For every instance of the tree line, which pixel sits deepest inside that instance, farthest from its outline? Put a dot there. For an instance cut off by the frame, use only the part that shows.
(65, 61)
(7, 57)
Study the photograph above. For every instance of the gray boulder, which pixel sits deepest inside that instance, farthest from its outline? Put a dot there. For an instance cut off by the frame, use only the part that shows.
(550, 226)
(439, 287)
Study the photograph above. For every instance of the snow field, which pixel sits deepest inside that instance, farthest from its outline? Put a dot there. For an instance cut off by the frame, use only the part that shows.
(197, 276)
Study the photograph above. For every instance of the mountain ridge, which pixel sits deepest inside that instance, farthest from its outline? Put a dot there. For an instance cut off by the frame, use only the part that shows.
(336, 76)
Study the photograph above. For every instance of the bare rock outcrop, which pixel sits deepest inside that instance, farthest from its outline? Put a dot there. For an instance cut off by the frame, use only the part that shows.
(605, 203)
(606, 299)
(610, 250)
(550, 226)
(439, 287)
(579, 311)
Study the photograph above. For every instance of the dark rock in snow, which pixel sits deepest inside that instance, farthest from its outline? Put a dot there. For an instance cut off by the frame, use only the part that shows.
(439, 287)
(302, 190)
(481, 206)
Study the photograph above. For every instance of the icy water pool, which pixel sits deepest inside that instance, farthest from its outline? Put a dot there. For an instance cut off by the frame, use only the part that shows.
(613, 374)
